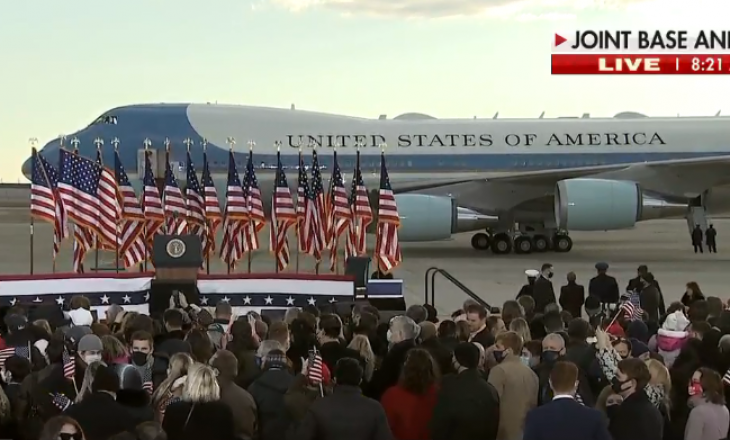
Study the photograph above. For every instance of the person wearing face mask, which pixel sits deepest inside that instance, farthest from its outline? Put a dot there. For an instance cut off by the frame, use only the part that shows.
(89, 350)
(709, 418)
(516, 384)
(543, 291)
(142, 348)
(402, 334)
(563, 417)
(631, 414)
(99, 414)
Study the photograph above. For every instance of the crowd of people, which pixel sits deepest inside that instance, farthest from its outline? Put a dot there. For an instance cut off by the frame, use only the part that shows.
(532, 369)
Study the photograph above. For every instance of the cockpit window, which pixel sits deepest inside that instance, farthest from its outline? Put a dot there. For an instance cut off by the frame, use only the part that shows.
(109, 119)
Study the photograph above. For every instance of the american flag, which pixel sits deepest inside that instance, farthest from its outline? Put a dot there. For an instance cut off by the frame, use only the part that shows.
(60, 401)
(320, 206)
(151, 205)
(84, 241)
(44, 204)
(302, 200)
(69, 365)
(338, 212)
(6, 353)
(212, 207)
(255, 204)
(631, 306)
(195, 199)
(236, 216)
(283, 216)
(89, 195)
(132, 247)
(116, 205)
(315, 372)
(175, 207)
(362, 215)
(387, 248)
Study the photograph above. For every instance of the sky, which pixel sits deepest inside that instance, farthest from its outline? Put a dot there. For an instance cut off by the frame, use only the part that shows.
(65, 63)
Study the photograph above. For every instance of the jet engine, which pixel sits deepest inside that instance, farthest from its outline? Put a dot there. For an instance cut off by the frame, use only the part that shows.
(597, 204)
(432, 218)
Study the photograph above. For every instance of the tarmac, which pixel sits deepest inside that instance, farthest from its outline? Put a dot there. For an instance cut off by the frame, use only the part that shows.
(663, 245)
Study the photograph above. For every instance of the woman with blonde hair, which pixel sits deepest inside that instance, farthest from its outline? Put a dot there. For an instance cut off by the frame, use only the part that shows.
(170, 390)
(361, 344)
(113, 351)
(63, 428)
(200, 413)
(88, 379)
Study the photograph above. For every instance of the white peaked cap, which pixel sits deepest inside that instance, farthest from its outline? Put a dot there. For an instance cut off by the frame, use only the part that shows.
(532, 273)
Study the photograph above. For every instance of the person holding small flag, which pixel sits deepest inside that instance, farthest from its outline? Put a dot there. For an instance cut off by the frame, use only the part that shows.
(346, 413)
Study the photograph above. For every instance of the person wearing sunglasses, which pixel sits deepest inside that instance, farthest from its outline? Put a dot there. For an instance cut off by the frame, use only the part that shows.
(62, 428)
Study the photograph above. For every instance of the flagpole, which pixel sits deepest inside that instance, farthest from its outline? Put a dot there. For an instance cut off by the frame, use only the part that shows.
(274, 224)
(99, 143)
(147, 144)
(249, 223)
(31, 237)
(115, 145)
(299, 224)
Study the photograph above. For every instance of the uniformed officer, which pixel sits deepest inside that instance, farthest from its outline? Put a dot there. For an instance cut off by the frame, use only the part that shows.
(543, 291)
(604, 286)
(526, 290)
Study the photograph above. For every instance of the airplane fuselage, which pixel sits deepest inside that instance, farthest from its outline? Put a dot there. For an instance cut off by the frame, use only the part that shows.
(414, 146)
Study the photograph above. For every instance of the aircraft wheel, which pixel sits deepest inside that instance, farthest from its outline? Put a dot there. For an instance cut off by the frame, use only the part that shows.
(501, 244)
(523, 245)
(563, 243)
(540, 243)
(480, 241)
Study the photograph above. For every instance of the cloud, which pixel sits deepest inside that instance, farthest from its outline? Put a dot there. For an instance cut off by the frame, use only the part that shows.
(524, 10)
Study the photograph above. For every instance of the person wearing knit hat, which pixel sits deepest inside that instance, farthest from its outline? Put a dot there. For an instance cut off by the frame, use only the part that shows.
(89, 348)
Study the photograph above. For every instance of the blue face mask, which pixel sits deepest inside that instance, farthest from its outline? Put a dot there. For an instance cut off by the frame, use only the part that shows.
(525, 360)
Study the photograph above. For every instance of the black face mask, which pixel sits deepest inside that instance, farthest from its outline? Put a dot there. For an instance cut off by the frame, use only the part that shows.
(67, 436)
(139, 358)
(549, 356)
(617, 386)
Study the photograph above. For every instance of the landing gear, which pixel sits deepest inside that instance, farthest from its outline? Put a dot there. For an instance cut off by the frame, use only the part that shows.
(540, 243)
(501, 244)
(562, 243)
(480, 241)
(523, 245)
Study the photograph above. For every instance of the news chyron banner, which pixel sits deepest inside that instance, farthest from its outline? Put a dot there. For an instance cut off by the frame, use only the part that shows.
(641, 52)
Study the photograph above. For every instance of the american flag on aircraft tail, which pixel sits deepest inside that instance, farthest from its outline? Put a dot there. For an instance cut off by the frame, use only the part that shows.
(175, 207)
(283, 217)
(255, 205)
(235, 217)
(338, 212)
(132, 246)
(212, 207)
(45, 204)
(387, 248)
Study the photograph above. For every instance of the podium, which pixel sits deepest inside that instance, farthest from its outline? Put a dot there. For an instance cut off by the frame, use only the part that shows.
(177, 260)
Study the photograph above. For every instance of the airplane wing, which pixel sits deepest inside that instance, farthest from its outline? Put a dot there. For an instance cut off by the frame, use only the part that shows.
(676, 167)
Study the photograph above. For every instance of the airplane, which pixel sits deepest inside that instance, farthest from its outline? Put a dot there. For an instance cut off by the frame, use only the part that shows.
(520, 184)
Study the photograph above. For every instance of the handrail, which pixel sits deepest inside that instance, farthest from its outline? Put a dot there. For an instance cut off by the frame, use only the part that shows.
(432, 271)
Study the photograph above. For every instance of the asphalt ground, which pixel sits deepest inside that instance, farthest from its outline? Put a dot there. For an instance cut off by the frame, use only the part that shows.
(663, 245)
